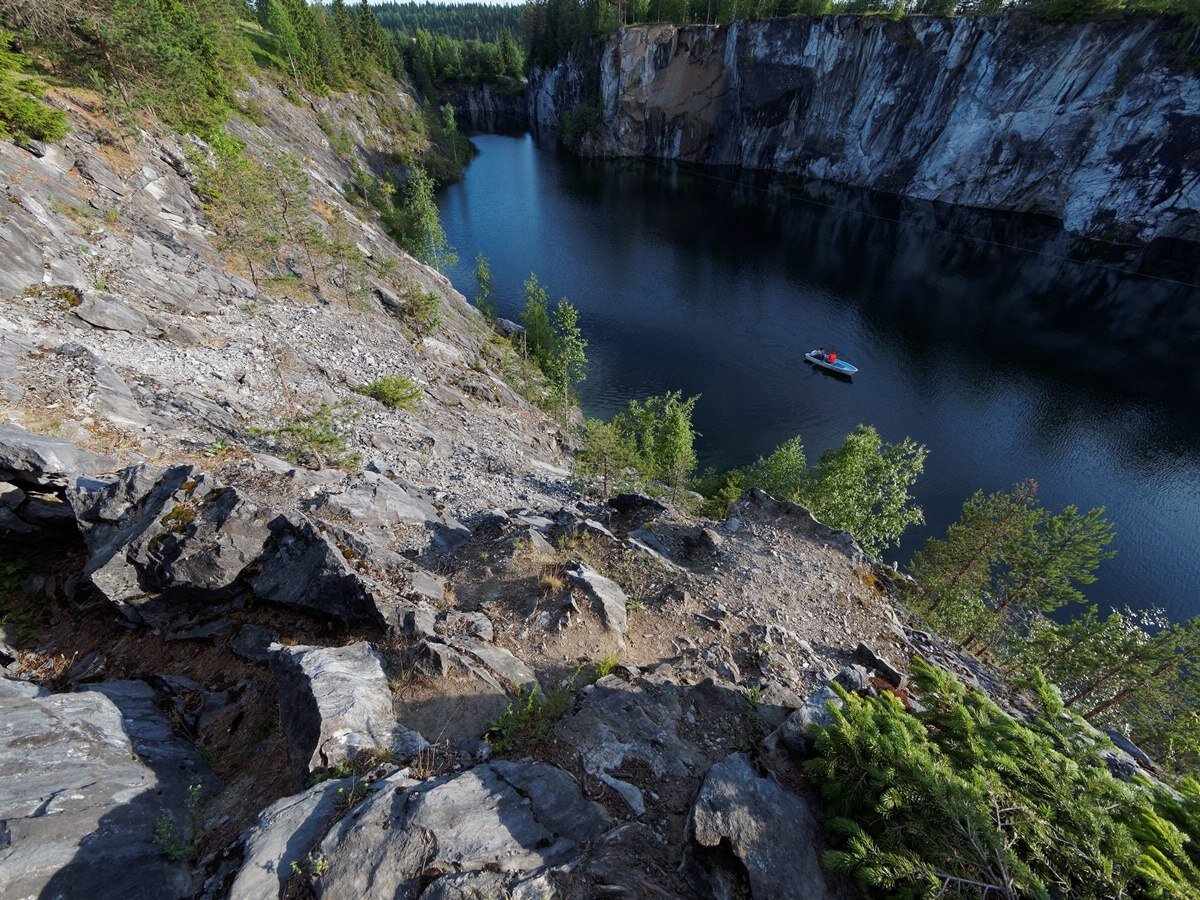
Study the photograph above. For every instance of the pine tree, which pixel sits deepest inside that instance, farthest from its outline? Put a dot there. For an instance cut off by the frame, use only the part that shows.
(606, 457)
(418, 225)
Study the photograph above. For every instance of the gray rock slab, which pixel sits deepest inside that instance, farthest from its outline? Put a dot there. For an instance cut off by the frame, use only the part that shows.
(377, 502)
(22, 252)
(78, 806)
(507, 668)
(769, 829)
(619, 721)
(177, 762)
(335, 702)
(97, 171)
(36, 460)
(285, 833)
(103, 310)
(468, 624)
(796, 734)
(424, 585)
(608, 595)
(1126, 745)
(510, 819)
(14, 688)
(252, 643)
(873, 660)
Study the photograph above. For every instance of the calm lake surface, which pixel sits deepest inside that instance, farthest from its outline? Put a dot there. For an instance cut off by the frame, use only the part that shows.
(996, 341)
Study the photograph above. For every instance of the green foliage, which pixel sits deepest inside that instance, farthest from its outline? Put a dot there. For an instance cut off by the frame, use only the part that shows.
(652, 437)
(1006, 558)
(433, 59)
(461, 21)
(412, 220)
(962, 799)
(23, 113)
(607, 665)
(314, 866)
(539, 337)
(394, 391)
(183, 60)
(579, 122)
(553, 340)
(317, 439)
(861, 487)
(167, 837)
(608, 460)
(423, 309)
(567, 365)
(417, 227)
(486, 286)
(1128, 669)
(449, 150)
(783, 474)
(528, 721)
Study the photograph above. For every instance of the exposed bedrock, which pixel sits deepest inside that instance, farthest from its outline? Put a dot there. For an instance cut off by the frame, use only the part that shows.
(1095, 124)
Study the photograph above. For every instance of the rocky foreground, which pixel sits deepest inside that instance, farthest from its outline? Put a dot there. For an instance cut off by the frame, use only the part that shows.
(404, 660)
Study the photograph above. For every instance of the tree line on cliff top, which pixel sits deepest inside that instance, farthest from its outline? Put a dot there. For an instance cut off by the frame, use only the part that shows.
(553, 27)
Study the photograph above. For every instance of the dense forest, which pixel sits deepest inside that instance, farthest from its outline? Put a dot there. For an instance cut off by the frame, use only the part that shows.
(460, 21)
(443, 42)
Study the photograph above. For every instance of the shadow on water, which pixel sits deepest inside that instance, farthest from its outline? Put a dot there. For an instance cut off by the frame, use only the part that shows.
(1009, 347)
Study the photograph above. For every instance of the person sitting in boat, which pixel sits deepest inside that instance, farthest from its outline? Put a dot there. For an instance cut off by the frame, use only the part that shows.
(831, 358)
(821, 354)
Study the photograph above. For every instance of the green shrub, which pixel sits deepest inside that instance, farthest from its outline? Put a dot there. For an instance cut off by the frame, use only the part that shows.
(393, 391)
(861, 486)
(580, 121)
(528, 722)
(963, 800)
(423, 309)
(22, 110)
(316, 440)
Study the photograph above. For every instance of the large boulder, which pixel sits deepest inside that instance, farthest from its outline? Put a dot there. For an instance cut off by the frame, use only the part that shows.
(644, 725)
(770, 830)
(376, 504)
(34, 460)
(80, 807)
(161, 537)
(284, 833)
(335, 702)
(496, 827)
(607, 594)
(103, 310)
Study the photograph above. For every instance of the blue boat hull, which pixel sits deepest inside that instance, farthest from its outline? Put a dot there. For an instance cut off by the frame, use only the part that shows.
(840, 367)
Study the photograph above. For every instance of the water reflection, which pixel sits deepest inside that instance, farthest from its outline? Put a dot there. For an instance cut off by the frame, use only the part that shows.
(1009, 363)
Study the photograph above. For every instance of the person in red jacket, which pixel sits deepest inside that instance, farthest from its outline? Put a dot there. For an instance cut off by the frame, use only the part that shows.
(832, 357)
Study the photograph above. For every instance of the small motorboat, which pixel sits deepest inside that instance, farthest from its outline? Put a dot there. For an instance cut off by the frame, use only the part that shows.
(838, 366)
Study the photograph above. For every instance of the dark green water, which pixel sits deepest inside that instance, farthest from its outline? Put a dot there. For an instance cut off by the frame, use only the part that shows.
(979, 336)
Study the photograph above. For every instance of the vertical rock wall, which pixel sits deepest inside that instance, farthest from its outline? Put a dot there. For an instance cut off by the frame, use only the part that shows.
(1095, 124)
